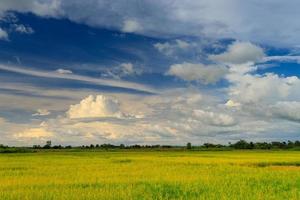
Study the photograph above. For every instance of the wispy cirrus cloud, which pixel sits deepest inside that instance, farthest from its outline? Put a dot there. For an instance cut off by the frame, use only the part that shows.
(285, 58)
(69, 76)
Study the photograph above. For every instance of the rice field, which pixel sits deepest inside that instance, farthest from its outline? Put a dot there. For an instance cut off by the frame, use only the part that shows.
(150, 175)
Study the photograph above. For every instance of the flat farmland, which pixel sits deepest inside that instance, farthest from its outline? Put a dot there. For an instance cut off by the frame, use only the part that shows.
(150, 175)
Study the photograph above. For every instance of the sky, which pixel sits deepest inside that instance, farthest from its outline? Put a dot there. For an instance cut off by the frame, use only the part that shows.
(149, 72)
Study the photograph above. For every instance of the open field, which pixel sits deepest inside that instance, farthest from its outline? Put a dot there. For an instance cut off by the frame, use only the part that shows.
(151, 175)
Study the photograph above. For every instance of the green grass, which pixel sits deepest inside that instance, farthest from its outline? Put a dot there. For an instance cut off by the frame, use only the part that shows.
(151, 175)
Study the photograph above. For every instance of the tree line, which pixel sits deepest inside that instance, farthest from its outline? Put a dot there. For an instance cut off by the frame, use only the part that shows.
(241, 144)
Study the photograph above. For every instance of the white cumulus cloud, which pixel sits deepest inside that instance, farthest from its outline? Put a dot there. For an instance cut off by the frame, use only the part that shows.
(20, 28)
(239, 53)
(206, 74)
(127, 68)
(289, 110)
(267, 88)
(168, 48)
(42, 112)
(231, 103)
(216, 119)
(131, 26)
(3, 34)
(95, 106)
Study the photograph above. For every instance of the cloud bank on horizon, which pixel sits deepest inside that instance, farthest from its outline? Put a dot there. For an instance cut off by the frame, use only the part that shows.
(169, 72)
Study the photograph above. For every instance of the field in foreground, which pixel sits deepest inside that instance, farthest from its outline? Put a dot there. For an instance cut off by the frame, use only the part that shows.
(151, 175)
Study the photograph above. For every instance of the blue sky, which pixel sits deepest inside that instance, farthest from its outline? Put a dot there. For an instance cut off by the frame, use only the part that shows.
(148, 72)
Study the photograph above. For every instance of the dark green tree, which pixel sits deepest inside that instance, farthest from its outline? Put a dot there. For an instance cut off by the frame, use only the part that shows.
(189, 145)
(47, 145)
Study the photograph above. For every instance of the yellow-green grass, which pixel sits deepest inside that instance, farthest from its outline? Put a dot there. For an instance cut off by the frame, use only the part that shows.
(151, 175)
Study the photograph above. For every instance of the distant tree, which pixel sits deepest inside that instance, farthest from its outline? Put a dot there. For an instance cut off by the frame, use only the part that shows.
(242, 144)
(290, 144)
(47, 145)
(108, 146)
(209, 145)
(135, 146)
(220, 146)
(279, 145)
(122, 146)
(262, 145)
(189, 145)
(251, 145)
(97, 145)
(92, 146)
(36, 146)
(57, 147)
